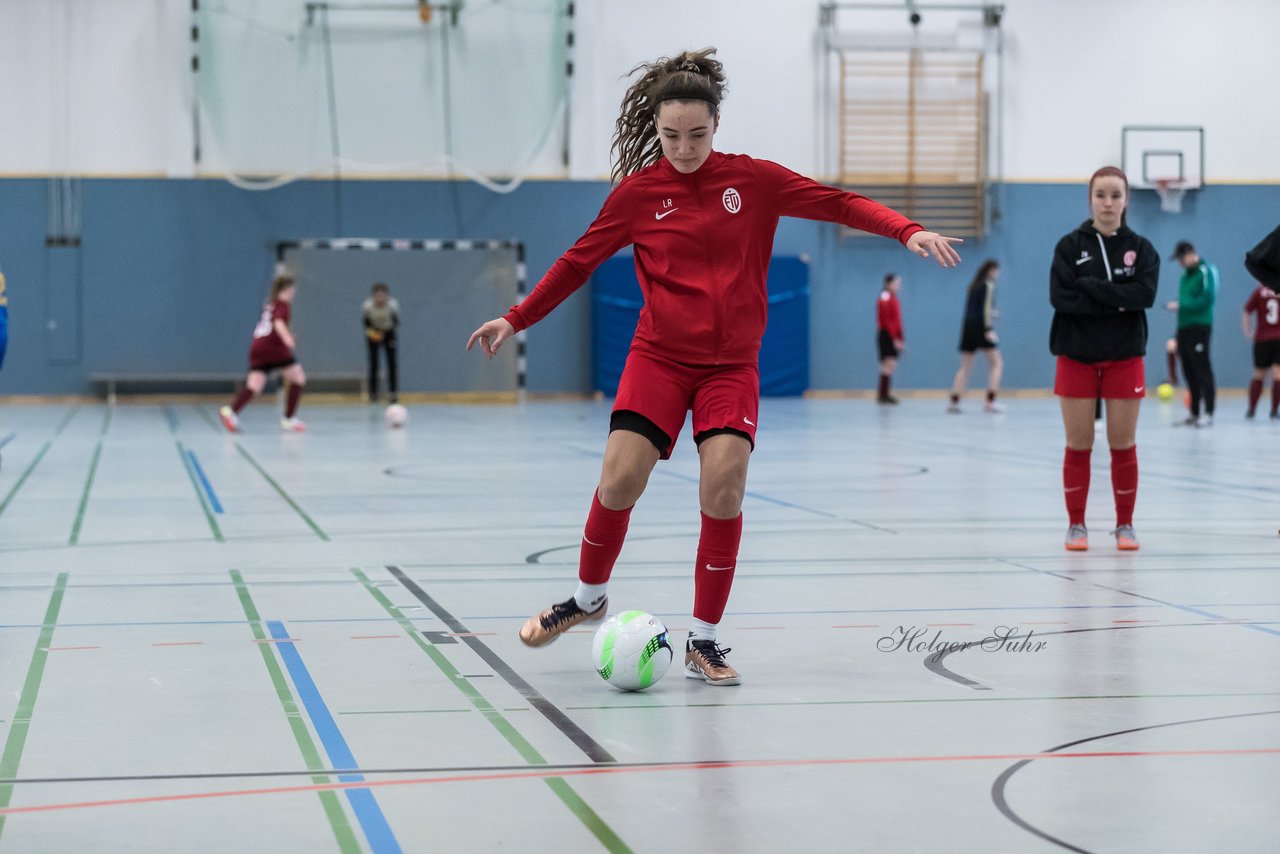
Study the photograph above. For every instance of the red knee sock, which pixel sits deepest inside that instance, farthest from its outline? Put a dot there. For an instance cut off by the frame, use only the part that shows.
(1255, 392)
(1275, 396)
(1075, 483)
(601, 542)
(1124, 483)
(717, 560)
(291, 400)
(884, 385)
(241, 400)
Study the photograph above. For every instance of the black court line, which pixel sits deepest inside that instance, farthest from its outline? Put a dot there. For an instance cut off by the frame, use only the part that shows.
(1002, 782)
(934, 662)
(588, 745)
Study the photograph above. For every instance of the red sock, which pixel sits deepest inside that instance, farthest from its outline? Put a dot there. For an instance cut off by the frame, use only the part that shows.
(1124, 483)
(291, 400)
(242, 398)
(1275, 396)
(884, 385)
(1255, 392)
(601, 542)
(717, 560)
(1075, 483)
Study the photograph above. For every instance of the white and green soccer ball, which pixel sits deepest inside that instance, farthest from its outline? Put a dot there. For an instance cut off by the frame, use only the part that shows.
(631, 650)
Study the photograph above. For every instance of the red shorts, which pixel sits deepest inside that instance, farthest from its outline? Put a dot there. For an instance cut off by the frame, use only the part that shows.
(724, 397)
(1123, 379)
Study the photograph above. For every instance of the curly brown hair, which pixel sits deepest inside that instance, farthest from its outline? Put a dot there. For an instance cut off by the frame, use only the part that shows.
(687, 77)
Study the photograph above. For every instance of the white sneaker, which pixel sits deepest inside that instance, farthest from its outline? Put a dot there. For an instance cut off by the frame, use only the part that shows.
(992, 406)
(229, 419)
(293, 425)
(1204, 421)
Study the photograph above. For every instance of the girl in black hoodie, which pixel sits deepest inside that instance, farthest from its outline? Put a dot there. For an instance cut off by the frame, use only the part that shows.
(1102, 279)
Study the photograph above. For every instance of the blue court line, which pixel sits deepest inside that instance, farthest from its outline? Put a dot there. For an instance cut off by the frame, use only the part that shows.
(368, 813)
(208, 487)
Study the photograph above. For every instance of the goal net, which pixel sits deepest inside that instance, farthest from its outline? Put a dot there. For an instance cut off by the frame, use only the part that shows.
(445, 289)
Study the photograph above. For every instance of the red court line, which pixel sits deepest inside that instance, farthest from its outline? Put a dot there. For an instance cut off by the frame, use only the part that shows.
(180, 643)
(375, 637)
(68, 648)
(634, 769)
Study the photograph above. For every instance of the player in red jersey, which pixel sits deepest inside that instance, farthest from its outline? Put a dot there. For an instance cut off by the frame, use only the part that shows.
(1265, 303)
(702, 224)
(272, 350)
(889, 338)
(1102, 280)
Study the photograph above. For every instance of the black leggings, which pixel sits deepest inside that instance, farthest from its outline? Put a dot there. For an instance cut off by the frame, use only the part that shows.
(388, 343)
(1193, 350)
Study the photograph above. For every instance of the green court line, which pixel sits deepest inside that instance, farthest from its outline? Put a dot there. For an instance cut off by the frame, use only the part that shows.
(217, 428)
(84, 497)
(421, 711)
(65, 421)
(40, 456)
(319, 533)
(571, 799)
(23, 479)
(346, 837)
(204, 502)
(17, 739)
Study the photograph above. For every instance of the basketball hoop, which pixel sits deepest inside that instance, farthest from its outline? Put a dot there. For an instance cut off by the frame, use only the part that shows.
(1171, 191)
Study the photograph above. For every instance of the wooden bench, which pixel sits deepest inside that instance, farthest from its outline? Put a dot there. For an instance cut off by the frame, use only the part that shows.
(225, 382)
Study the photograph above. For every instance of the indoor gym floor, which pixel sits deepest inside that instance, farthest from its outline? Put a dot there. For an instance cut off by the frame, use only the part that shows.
(197, 629)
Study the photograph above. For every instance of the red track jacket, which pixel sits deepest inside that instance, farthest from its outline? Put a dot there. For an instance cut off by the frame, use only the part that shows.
(702, 247)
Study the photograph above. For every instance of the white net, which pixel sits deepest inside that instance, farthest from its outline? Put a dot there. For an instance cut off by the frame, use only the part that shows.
(283, 87)
(1171, 193)
(444, 293)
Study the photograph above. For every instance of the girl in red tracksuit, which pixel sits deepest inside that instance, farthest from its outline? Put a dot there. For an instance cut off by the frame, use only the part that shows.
(702, 225)
(889, 341)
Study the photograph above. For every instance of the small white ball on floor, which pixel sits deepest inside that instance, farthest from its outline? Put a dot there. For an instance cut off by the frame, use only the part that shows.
(397, 416)
(631, 650)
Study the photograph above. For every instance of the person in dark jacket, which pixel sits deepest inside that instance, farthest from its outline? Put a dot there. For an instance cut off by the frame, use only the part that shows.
(979, 333)
(1263, 260)
(1102, 281)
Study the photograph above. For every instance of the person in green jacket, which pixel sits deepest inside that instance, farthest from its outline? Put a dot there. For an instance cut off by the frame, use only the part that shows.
(1196, 291)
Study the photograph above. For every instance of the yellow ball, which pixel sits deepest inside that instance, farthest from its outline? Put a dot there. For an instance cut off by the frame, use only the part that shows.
(1164, 391)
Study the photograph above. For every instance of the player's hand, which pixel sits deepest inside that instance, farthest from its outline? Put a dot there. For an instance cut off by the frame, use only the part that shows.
(925, 243)
(992, 337)
(374, 335)
(491, 336)
(1172, 305)
(901, 345)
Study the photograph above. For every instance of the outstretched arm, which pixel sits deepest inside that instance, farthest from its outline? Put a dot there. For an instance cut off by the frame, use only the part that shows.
(805, 198)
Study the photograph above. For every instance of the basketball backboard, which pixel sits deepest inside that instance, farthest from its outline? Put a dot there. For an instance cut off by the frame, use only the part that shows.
(1151, 153)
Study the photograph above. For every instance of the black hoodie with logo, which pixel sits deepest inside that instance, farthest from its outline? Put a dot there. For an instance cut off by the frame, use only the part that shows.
(1099, 288)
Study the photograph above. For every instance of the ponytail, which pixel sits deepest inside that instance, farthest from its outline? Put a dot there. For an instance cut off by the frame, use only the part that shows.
(689, 76)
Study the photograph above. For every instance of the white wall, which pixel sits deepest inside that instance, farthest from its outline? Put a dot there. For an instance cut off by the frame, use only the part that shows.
(1077, 72)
